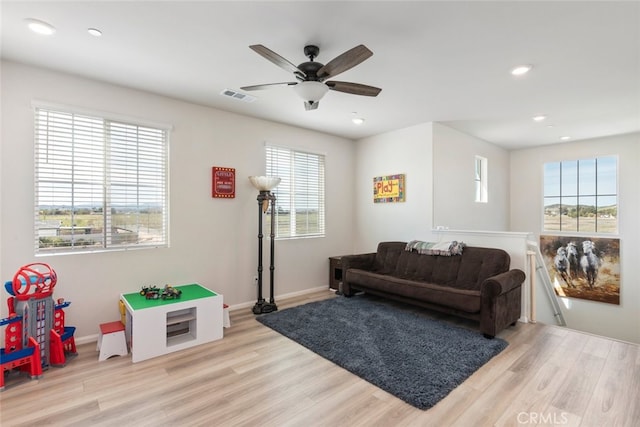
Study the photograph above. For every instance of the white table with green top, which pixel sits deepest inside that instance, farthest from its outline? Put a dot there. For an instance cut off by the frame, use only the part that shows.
(160, 326)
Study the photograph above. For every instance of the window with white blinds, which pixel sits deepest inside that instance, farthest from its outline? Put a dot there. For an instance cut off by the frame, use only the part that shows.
(100, 184)
(300, 194)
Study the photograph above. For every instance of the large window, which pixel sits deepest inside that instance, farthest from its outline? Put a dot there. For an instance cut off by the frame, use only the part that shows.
(581, 195)
(300, 194)
(100, 184)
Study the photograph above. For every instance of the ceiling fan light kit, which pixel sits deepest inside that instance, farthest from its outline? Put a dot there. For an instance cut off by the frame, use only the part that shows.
(311, 91)
(311, 75)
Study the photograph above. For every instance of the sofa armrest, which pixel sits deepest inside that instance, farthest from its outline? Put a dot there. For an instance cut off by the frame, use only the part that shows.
(502, 283)
(500, 301)
(360, 261)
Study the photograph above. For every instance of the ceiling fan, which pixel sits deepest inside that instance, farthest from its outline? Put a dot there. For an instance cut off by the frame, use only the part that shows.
(311, 75)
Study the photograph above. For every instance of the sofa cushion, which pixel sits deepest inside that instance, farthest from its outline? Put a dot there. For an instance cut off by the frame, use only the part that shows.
(461, 299)
(442, 270)
(413, 266)
(466, 271)
(478, 264)
(387, 256)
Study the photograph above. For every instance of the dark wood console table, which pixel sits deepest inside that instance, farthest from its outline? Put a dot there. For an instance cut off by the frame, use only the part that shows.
(335, 272)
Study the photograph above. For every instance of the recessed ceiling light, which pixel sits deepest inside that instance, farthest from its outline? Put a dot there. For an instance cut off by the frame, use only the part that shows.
(539, 118)
(565, 138)
(94, 32)
(357, 120)
(40, 27)
(521, 70)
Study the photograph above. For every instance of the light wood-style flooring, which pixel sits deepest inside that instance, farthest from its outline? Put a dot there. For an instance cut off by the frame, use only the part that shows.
(255, 376)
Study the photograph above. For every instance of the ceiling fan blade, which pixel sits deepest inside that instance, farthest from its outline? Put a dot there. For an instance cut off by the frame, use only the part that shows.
(353, 88)
(276, 59)
(311, 105)
(343, 62)
(268, 85)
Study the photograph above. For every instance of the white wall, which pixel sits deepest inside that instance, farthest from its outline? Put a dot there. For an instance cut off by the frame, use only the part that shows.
(618, 321)
(213, 241)
(439, 164)
(454, 205)
(432, 156)
(438, 185)
(407, 151)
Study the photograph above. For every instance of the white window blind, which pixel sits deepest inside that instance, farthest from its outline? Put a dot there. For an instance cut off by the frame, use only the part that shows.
(300, 194)
(99, 184)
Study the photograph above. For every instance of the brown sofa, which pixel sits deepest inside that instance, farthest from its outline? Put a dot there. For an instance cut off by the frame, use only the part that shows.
(477, 285)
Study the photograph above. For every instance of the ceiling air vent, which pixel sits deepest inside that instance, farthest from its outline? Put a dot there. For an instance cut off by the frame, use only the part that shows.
(237, 95)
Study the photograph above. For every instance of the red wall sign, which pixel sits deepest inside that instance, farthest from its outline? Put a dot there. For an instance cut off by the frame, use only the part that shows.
(223, 183)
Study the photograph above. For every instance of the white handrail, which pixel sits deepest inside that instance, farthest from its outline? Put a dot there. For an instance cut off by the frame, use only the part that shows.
(541, 268)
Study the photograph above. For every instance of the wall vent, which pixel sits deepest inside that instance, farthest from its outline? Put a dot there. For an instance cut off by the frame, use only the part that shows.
(238, 95)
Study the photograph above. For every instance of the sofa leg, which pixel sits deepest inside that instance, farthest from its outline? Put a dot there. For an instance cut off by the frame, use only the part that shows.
(489, 337)
(514, 323)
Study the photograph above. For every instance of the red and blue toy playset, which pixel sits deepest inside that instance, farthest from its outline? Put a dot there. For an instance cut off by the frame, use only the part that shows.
(35, 336)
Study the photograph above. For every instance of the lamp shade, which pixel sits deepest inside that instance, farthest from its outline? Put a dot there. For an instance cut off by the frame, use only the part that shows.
(311, 91)
(264, 183)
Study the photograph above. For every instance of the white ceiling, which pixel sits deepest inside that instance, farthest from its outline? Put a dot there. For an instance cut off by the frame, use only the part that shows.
(435, 61)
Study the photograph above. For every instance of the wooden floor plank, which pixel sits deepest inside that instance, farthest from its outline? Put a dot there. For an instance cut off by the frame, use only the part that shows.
(255, 376)
(618, 388)
(574, 393)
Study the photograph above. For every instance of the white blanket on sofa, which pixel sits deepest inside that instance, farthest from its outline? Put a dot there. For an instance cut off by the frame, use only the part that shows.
(436, 248)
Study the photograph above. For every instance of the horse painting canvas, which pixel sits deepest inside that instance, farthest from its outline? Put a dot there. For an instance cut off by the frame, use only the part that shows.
(583, 267)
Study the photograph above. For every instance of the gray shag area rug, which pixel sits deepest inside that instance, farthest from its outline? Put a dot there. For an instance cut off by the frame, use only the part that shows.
(415, 358)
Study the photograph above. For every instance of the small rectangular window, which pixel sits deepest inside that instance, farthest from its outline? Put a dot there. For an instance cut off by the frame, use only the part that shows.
(100, 184)
(581, 195)
(480, 180)
(300, 194)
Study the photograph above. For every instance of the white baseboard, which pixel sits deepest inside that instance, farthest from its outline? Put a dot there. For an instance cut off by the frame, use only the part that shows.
(86, 339)
(250, 304)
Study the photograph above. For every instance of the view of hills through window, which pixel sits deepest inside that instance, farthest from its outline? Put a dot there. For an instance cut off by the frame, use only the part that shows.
(581, 195)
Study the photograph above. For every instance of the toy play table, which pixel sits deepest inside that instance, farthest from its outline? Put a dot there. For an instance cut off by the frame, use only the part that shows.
(155, 326)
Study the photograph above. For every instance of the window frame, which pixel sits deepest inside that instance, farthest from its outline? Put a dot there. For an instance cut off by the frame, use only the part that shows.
(289, 199)
(112, 177)
(481, 182)
(575, 181)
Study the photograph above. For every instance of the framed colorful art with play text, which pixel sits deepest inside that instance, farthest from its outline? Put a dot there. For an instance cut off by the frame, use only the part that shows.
(389, 188)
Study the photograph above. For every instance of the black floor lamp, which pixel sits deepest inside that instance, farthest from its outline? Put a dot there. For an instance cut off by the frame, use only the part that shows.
(264, 184)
